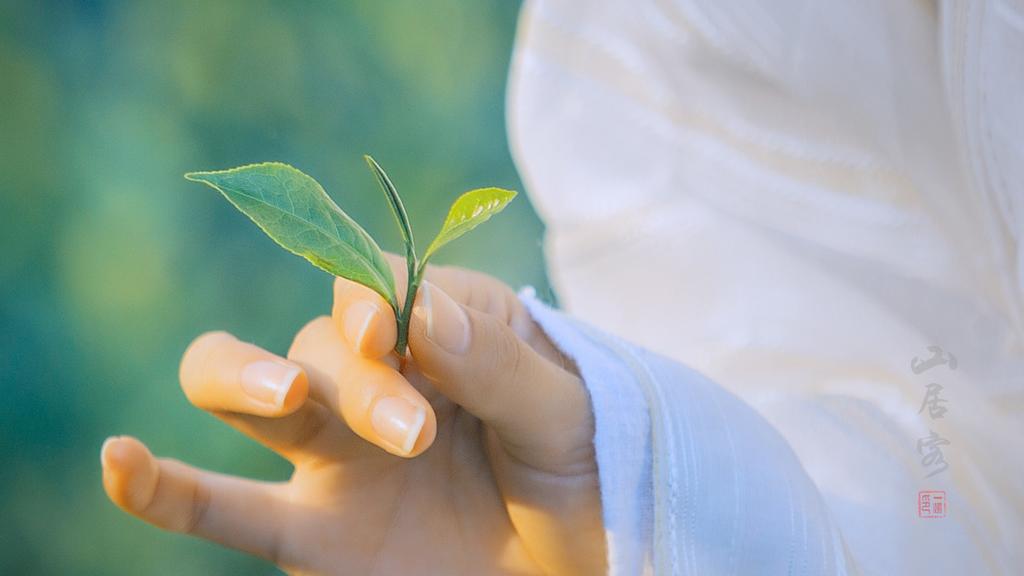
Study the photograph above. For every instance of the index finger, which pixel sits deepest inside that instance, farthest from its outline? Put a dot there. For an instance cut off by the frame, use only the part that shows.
(365, 319)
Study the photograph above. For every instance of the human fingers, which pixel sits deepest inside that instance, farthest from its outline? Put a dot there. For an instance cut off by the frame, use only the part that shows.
(540, 411)
(260, 394)
(539, 423)
(368, 322)
(364, 318)
(220, 372)
(235, 512)
(372, 397)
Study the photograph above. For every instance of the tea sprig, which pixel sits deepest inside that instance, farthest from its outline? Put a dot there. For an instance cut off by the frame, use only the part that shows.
(296, 212)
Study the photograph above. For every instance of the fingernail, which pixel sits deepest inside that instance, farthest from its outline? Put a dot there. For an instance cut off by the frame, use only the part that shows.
(106, 451)
(446, 321)
(398, 421)
(269, 381)
(356, 321)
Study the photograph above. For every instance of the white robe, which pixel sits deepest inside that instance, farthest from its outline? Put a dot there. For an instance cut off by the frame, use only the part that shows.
(796, 199)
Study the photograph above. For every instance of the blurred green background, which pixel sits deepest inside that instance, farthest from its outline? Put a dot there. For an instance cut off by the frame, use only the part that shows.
(111, 262)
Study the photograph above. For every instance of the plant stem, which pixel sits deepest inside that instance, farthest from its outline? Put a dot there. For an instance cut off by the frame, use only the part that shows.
(415, 275)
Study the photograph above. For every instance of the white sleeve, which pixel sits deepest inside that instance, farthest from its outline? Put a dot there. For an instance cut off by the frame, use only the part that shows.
(799, 201)
(693, 481)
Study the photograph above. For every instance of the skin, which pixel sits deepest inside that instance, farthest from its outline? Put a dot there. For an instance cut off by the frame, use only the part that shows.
(500, 479)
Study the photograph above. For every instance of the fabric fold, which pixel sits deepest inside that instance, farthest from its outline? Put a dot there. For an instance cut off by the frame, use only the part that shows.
(693, 481)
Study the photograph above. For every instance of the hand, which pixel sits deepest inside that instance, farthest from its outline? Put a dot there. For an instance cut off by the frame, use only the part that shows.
(509, 484)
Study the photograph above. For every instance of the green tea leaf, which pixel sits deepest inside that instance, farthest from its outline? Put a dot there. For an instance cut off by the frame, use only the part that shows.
(293, 209)
(467, 212)
(397, 208)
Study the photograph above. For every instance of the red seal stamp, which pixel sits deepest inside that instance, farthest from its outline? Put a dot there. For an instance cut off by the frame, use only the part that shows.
(931, 504)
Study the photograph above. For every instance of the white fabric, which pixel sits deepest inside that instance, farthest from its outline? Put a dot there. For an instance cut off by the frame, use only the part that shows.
(723, 493)
(622, 440)
(797, 199)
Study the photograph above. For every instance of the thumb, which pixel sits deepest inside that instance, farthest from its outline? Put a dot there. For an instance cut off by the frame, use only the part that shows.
(540, 412)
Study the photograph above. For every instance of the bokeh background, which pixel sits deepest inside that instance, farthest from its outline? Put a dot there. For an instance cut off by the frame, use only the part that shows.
(111, 262)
